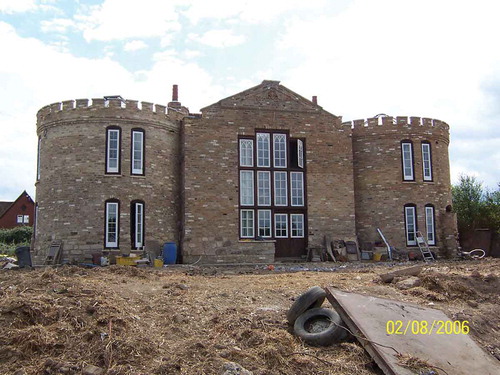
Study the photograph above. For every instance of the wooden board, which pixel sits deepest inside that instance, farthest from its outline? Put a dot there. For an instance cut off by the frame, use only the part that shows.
(367, 317)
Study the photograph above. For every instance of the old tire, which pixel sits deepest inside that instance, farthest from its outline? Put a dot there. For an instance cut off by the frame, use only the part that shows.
(320, 327)
(313, 297)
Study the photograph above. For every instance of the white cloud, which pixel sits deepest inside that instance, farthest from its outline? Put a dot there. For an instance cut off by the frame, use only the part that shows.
(119, 20)
(218, 38)
(58, 25)
(17, 6)
(134, 45)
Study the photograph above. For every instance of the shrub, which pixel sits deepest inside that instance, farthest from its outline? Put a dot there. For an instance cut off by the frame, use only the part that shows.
(16, 235)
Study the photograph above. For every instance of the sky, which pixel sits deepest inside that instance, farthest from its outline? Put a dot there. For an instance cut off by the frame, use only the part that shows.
(436, 58)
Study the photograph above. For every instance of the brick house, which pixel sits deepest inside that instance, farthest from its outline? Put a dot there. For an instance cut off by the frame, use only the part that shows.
(256, 177)
(21, 212)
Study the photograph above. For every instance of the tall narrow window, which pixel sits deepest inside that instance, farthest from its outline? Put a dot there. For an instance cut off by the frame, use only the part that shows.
(411, 225)
(246, 152)
(137, 224)
(429, 225)
(247, 223)
(263, 150)
(35, 229)
(280, 189)
(38, 159)
(297, 221)
(279, 150)
(300, 153)
(137, 152)
(264, 188)
(280, 225)
(407, 158)
(112, 224)
(264, 219)
(427, 161)
(113, 140)
(246, 188)
(297, 188)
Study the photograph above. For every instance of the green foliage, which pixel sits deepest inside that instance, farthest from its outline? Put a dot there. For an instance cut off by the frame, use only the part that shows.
(475, 206)
(16, 235)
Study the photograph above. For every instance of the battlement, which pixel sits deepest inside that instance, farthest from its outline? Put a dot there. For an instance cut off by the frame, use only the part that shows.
(95, 104)
(390, 123)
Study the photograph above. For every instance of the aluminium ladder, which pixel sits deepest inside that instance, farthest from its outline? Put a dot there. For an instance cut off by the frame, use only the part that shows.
(424, 248)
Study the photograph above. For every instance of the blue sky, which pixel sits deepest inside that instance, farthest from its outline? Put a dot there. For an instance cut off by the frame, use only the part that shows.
(436, 59)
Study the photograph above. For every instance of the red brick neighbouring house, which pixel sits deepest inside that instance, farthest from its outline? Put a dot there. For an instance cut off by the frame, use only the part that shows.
(18, 213)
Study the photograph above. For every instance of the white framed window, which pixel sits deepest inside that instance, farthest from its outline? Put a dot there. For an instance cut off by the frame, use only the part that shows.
(297, 188)
(426, 161)
(279, 141)
(112, 223)
(407, 158)
(138, 208)
(38, 158)
(138, 152)
(246, 188)
(280, 189)
(429, 225)
(297, 225)
(264, 223)
(247, 223)
(300, 153)
(280, 225)
(19, 219)
(263, 150)
(26, 219)
(36, 220)
(113, 150)
(246, 152)
(263, 188)
(411, 225)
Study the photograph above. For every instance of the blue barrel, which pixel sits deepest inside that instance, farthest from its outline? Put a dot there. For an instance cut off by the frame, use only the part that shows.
(169, 253)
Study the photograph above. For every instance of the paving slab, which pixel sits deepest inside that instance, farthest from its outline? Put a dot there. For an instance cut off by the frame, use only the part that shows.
(368, 317)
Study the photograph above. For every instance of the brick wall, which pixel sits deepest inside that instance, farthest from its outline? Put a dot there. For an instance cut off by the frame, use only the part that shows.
(73, 186)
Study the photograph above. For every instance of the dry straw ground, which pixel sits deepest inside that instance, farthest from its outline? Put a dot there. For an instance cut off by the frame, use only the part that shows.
(192, 320)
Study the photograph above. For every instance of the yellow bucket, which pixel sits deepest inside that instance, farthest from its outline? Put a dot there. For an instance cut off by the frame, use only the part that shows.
(158, 263)
(377, 257)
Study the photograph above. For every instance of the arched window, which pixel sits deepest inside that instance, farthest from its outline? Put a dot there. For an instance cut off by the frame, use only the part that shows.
(410, 215)
(137, 156)
(430, 224)
(113, 149)
(137, 212)
(426, 161)
(407, 160)
(112, 224)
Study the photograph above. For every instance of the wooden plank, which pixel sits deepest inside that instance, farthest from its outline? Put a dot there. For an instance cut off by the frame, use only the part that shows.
(367, 317)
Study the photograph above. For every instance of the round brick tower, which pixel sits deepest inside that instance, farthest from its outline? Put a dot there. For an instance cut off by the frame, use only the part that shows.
(402, 182)
(108, 177)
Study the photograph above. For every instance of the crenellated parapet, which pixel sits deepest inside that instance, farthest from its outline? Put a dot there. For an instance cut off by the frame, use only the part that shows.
(112, 108)
(399, 125)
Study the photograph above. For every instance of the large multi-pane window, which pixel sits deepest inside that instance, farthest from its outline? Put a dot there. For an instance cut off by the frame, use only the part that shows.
(411, 224)
(246, 152)
(426, 161)
(297, 188)
(246, 188)
(407, 160)
(280, 189)
(279, 150)
(137, 224)
(264, 220)
(281, 225)
(113, 137)
(264, 188)
(272, 199)
(429, 224)
(247, 224)
(112, 223)
(137, 152)
(263, 150)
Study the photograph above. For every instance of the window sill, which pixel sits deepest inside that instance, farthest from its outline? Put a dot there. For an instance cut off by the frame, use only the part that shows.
(244, 240)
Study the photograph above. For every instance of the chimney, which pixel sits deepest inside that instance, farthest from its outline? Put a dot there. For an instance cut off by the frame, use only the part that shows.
(175, 93)
(315, 100)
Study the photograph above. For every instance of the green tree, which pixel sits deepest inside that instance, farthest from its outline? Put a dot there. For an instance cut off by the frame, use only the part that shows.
(468, 202)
